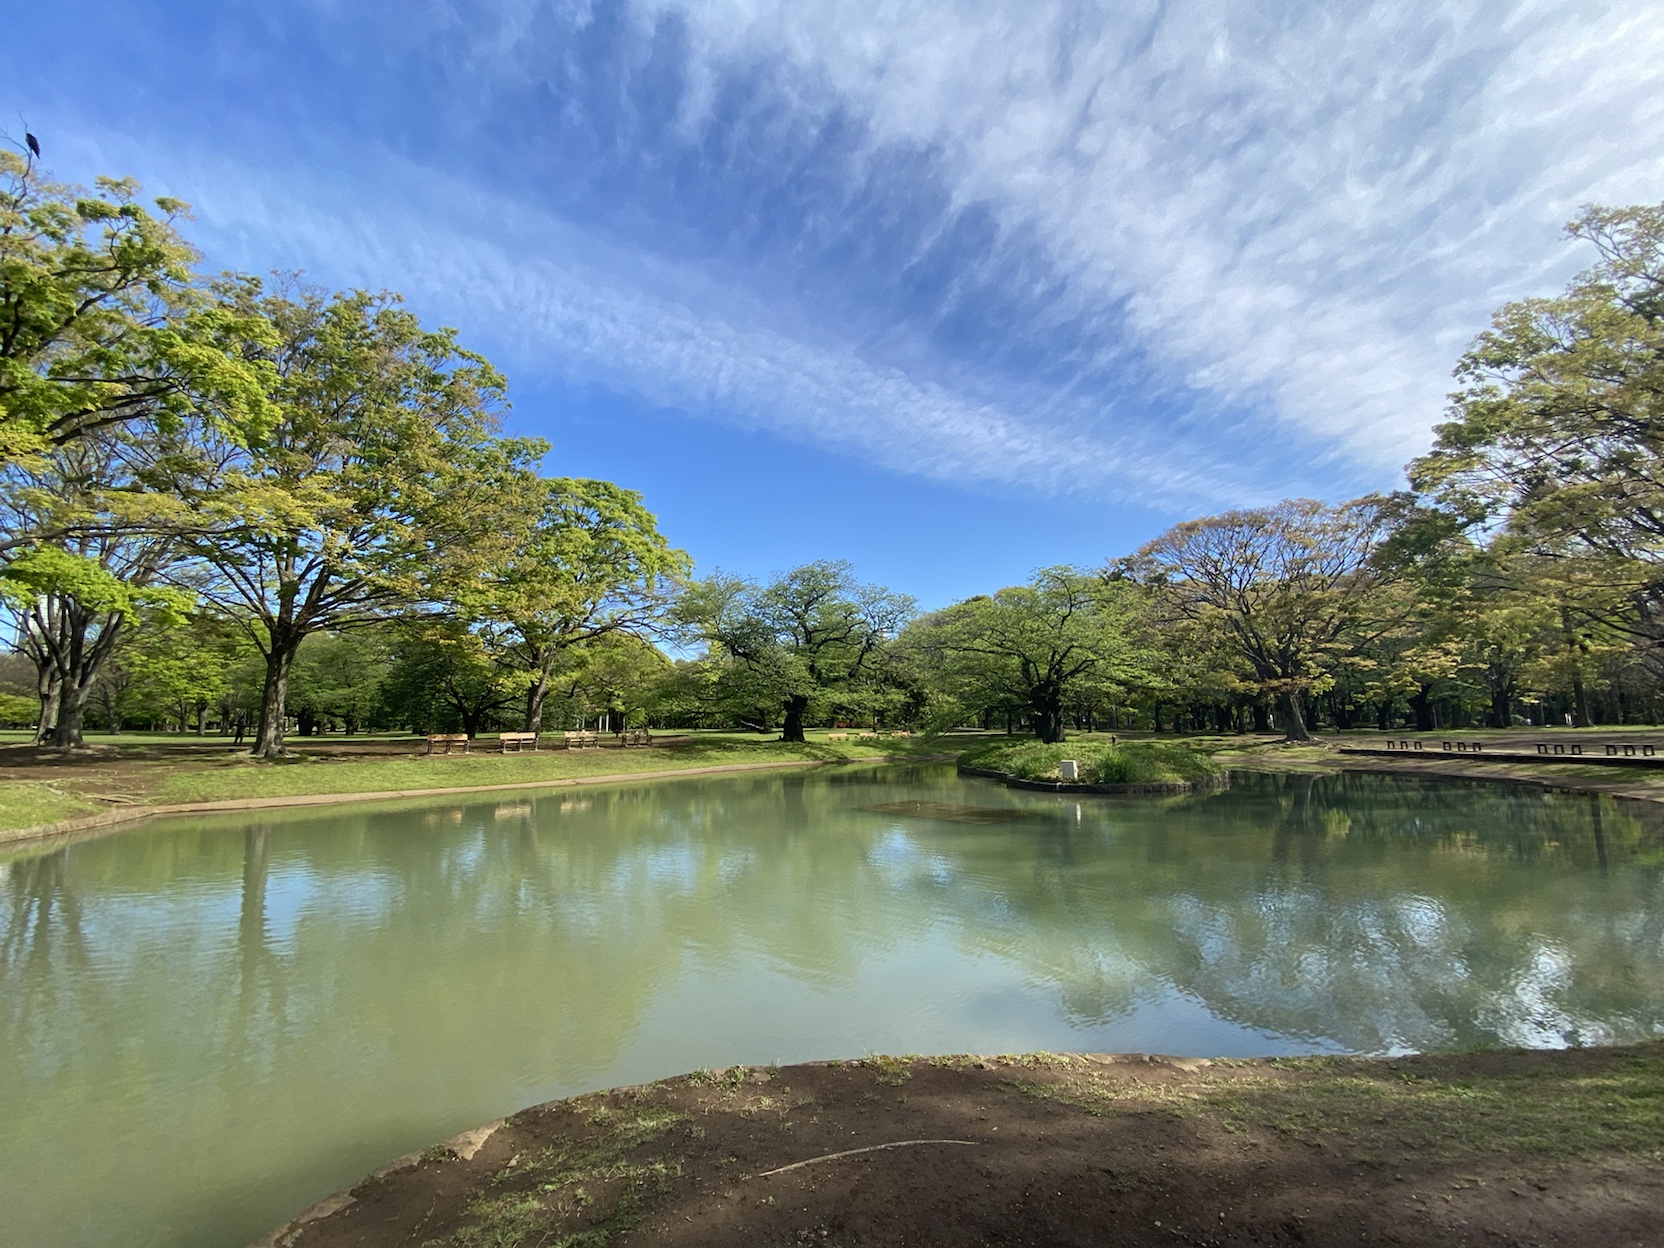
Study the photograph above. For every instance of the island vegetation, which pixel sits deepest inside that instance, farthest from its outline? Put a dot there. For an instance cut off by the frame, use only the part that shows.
(1098, 761)
(246, 507)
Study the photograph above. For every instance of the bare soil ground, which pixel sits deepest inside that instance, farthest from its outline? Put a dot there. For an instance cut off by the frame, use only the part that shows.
(1489, 1148)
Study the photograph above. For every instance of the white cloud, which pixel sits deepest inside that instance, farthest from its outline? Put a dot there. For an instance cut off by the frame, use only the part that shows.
(1303, 207)
(1305, 213)
(563, 302)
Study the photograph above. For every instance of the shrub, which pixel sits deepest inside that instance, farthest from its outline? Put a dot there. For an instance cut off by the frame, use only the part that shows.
(18, 711)
(1134, 762)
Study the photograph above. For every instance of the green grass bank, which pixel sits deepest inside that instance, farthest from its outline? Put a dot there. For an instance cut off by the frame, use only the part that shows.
(1101, 760)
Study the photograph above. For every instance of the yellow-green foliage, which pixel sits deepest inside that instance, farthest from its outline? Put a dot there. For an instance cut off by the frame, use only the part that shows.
(1141, 762)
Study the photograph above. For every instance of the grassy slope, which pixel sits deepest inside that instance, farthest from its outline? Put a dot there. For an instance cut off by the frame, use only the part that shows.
(29, 804)
(246, 778)
(216, 775)
(1451, 1106)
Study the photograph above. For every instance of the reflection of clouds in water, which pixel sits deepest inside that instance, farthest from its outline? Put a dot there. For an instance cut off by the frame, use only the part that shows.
(673, 865)
(1422, 920)
(1530, 1013)
(677, 868)
(1376, 975)
(901, 862)
(466, 855)
(734, 866)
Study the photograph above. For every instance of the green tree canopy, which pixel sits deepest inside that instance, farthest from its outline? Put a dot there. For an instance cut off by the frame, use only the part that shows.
(1284, 583)
(1556, 437)
(584, 560)
(380, 470)
(101, 320)
(1036, 645)
(811, 637)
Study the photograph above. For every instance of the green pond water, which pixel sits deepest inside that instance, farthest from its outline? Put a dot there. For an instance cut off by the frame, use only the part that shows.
(206, 1024)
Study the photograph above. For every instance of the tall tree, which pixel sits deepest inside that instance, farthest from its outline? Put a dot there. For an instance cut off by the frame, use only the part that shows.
(1556, 437)
(810, 637)
(380, 467)
(73, 610)
(340, 677)
(1286, 583)
(583, 561)
(101, 320)
(76, 595)
(1036, 645)
(446, 676)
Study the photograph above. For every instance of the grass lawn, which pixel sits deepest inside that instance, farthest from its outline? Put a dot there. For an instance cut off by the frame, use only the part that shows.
(32, 803)
(246, 778)
(1101, 761)
(167, 768)
(160, 769)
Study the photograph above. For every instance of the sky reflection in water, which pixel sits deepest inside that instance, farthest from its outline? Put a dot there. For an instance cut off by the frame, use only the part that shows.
(221, 1020)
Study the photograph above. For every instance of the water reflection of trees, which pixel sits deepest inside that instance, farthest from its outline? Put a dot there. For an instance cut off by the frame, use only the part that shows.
(1356, 909)
(401, 967)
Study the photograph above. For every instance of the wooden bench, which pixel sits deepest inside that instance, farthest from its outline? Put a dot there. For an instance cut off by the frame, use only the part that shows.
(837, 736)
(519, 740)
(448, 739)
(635, 736)
(581, 740)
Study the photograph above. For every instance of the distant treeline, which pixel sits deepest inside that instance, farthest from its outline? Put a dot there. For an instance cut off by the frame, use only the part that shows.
(238, 505)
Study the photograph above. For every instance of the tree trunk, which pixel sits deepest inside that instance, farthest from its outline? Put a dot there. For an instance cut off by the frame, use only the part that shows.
(1046, 714)
(538, 693)
(49, 689)
(1262, 716)
(268, 735)
(78, 666)
(1580, 703)
(1501, 704)
(1421, 703)
(792, 729)
(72, 707)
(1294, 723)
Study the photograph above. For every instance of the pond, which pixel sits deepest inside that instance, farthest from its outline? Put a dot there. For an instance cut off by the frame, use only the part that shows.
(206, 1024)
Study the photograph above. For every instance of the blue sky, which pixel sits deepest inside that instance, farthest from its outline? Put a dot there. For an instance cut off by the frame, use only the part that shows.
(950, 290)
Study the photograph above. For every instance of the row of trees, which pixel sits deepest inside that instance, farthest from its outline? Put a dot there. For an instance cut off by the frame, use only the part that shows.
(227, 455)
(228, 500)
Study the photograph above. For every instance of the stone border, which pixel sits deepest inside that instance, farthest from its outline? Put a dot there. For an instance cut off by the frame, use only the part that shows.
(1162, 788)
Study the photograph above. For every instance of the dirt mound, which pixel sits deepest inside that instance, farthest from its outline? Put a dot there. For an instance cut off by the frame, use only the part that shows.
(1492, 1148)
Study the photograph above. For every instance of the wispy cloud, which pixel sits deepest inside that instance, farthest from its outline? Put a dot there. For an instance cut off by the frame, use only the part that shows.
(560, 301)
(1184, 253)
(1297, 206)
